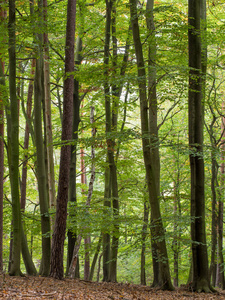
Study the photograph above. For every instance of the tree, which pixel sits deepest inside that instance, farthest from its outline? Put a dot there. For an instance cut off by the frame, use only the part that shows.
(2, 100)
(47, 111)
(2, 84)
(39, 96)
(157, 229)
(196, 119)
(13, 140)
(73, 163)
(65, 156)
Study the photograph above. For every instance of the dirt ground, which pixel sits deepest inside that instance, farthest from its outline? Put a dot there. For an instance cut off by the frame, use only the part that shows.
(49, 288)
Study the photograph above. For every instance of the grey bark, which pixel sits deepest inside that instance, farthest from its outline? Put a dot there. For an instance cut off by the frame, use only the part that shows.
(157, 229)
(39, 96)
(2, 100)
(13, 140)
(48, 121)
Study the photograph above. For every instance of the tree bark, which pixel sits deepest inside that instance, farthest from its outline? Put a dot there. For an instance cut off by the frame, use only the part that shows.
(26, 139)
(105, 234)
(157, 225)
(144, 234)
(48, 121)
(2, 84)
(39, 97)
(95, 258)
(72, 186)
(87, 204)
(196, 118)
(57, 270)
(213, 264)
(2, 101)
(221, 279)
(14, 144)
(153, 121)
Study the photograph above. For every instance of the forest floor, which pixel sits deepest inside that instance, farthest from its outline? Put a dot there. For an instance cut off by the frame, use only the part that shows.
(48, 288)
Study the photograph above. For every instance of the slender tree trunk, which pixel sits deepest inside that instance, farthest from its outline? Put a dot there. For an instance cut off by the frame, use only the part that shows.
(2, 101)
(153, 120)
(87, 204)
(220, 220)
(72, 187)
(144, 234)
(48, 121)
(107, 193)
(95, 258)
(196, 118)
(26, 139)
(176, 240)
(14, 141)
(106, 235)
(111, 125)
(27, 258)
(156, 225)
(87, 239)
(2, 83)
(39, 96)
(57, 270)
(111, 157)
(213, 264)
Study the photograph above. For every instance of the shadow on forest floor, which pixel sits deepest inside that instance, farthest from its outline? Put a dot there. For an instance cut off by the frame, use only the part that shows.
(49, 288)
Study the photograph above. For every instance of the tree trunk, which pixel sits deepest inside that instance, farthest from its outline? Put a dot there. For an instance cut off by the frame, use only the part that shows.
(2, 83)
(177, 235)
(72, 186)
(111, 122)
(39, 97)
(48, 121)
(2, 100)
(95, 258)
(220, 220)
(27, 258)
(26, 139)
(87, 204)
(196, 118)
(153, 120)
(14, 143)
(144, 234)
(57, 270)
(105, 235)
(157, 229)
(213, 264)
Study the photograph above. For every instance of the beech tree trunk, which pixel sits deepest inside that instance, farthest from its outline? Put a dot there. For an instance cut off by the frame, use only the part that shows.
(105, 235)
(39, 96)
(74, 260)
(2, 101)
(48, 121)
(2, 84)
(157, 229)
(26, 139)
(220, 219)
(57, 270)
(72, 186)
(95, 258)
(13, 140)
(144, 234)
(196, 119)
